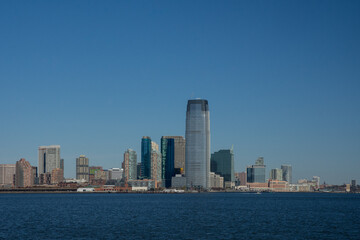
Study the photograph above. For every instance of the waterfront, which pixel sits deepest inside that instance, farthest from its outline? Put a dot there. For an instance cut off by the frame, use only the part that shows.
(180, 216)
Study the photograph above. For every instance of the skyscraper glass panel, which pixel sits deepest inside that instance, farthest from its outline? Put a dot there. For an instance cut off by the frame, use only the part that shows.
(197, 135)
(146, 158)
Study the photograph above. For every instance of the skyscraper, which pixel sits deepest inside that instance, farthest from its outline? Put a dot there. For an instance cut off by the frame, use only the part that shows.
(173, 157)
(276, 174)
(287, 173)
(146, 157)
(49, 158)
(82, 168)
(197, 135)
(130, 165)
(256, 173)
(222, 163)
(24, 176)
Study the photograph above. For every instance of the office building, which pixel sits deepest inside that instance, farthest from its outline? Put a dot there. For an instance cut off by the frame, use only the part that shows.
(197, 135)
(62, 164)
(130, 165)
(173, 157)
(287, 173)
(57, 176)
(276, 174)
(222, 163)
(49, 158)
(256, 173)
(115, 173)
(138, 170)
(7, 172)
(146, 157)
(35, 175)
(82, 168)
(24, 174)
(353, 183)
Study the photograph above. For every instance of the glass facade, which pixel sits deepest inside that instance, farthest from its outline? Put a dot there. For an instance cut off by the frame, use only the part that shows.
(256, 174)
(49, 158)
(287, 173)
(197, 135)
(130, 164)
(222, 163)
(146, 158)
(168, 163)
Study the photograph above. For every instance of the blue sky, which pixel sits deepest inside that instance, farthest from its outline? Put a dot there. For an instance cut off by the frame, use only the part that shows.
(282, 79)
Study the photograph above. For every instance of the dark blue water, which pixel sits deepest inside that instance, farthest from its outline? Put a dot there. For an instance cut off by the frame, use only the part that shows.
(180, 216)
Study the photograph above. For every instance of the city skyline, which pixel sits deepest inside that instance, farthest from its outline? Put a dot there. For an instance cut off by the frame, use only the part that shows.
(281, 77)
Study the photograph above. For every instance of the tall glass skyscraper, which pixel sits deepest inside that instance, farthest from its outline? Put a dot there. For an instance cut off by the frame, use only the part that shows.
(173, 157)
(146, 158)
(197, 135)
(287, 173)
(49, 158)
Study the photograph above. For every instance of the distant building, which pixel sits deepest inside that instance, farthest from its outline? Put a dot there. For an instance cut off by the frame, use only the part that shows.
(216, 181)
(138, 170)
(222, 163)
(45, 178)
(276, 174)
(179, 181)
(7, 172)
(197, 135)
(130, 165)
(256, 173)
(287, 173)
(62, 164)
(353, 183)
(82, 168)
(148, 183)
(35, 175)
(49, 158)
(316, 180)
(173, 158)
(115, 173)
(156, 166)
(146, 157)
(92, 171)
(24, 174)
(57, 176)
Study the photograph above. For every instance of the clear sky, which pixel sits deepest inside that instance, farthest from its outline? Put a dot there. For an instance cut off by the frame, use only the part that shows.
(282, 79)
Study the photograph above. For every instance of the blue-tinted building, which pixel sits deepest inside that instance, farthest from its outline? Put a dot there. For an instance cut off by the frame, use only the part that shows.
(168, 163)
(256, 173)
(146, 158)
(222, 163)
(197, 135)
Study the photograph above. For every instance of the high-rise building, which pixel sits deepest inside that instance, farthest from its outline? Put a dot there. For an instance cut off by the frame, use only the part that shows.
(156, 166)
(287, 173)
(49, 158)
(256, 173)
(7, 172)
(82, 168)
(24, 174)
(138, 170)
(62, 164)
(35, 175)
(173, 157)
(197, 135)
(130, 165)
(222, 163)
(57, 176)
(276, 174)
(146, 157)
